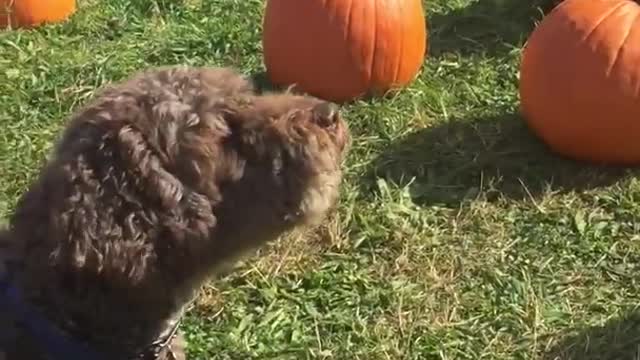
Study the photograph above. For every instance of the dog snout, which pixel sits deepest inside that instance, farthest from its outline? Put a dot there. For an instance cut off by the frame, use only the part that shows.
(326, 114)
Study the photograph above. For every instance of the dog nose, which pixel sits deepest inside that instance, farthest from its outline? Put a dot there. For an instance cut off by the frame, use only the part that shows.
(326, 114)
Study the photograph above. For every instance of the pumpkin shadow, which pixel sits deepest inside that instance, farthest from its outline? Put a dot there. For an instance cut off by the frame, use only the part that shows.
(154, 7)
(493, 158)
(618, 339)
(262, 83)
(492, 27)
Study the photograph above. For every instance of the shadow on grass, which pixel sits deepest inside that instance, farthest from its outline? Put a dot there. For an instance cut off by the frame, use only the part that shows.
(493, 27)
(618, 339)
(262, 83)
(154, 7)
(491, 157)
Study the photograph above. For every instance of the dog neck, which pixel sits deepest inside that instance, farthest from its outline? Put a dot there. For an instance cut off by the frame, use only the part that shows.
(53, 341)
(59, 343)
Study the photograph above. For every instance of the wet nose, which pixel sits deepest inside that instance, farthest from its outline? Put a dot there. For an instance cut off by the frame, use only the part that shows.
(326, 114)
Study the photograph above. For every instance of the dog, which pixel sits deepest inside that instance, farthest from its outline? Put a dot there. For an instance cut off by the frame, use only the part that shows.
(155, 184)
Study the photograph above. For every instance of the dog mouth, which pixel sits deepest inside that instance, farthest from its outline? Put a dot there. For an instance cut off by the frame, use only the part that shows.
(341, 136)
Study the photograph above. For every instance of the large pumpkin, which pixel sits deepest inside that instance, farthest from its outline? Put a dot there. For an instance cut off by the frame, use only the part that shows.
(342, 49)
(29, 13)
(580, 80)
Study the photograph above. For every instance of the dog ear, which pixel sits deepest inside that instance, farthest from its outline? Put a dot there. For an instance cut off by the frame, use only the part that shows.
(157, 182)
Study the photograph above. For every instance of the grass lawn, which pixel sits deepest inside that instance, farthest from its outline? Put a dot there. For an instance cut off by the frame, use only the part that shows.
(459, 235)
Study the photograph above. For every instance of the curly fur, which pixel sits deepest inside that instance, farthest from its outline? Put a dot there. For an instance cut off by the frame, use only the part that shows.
(155, 183)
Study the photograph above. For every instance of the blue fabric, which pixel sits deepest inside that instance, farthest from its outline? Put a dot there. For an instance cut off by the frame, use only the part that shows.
(53, 342)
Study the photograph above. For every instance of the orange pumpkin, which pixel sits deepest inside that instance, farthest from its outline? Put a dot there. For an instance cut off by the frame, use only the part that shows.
(342, 49)
(580, 80)
(29, 13)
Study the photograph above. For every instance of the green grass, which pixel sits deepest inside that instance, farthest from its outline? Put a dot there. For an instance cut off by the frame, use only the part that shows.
(459, 235)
